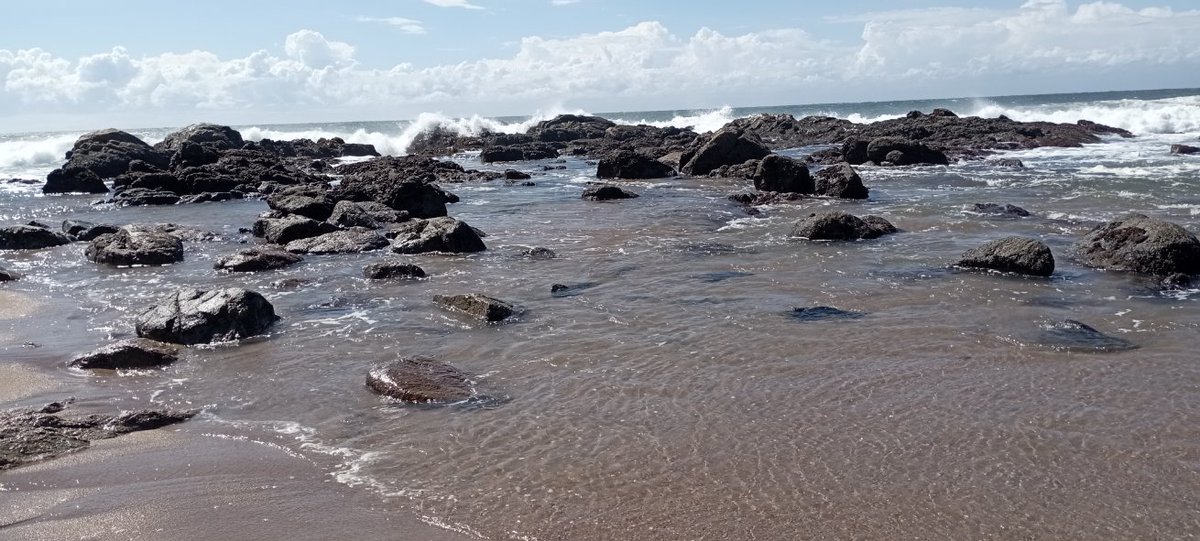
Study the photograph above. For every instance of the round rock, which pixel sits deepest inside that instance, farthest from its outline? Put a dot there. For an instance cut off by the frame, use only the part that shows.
(420, 379)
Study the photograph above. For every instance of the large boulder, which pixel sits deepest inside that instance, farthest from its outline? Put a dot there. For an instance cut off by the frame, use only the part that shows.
(74, 179)
(350, 214)
(131, 353)
(192, 316)
(1138, 243)
(840, 180)
(135, 245)
(518, 152)
(607, 193)
(725, 147)
(631, 165)
(478, 306)
(348, 241)
(420, 379)
(307, 203)
(397, 188)
(290, 228)
(1019, 255)
(258, 258)
(211, 136)
(566, 128)
(30, 237)
(900, 151)
(776, 173)
(838, 225)
(106, 154)
(436, 235)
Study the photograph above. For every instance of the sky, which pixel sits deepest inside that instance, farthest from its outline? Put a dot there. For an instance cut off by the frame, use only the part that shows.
(138, 63)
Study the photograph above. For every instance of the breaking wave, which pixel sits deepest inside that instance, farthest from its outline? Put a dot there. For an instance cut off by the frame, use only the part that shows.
(1170, 115)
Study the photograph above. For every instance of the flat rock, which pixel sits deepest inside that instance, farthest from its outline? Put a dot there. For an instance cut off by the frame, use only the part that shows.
(192, 316)
(28, 237)
(392, 270)
(350, 241)
(478, 306)
(436, 235)
(838, 225)
(420, 379)
(126, 354)
(1138, 243)
(1019, 255)
(258, 258)
(1076, 336)
(822, 313)
(32, 435)
(135, 245)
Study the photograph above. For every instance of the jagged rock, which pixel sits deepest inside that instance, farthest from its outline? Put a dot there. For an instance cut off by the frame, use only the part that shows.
(627, 164)
(403, 184)
(1138, 243)
(193, 316)
(291, 228)
(725, 147)
(478, 306)
(899, 151)
(104, 153)
(420, 379)
(538, 252)
(140, 197)
(1010, 163)
(349, 241)
(32, 435)
(351, 214)
(1184, 149)
(607, 193)
(135, 245)
(210, 197)
(838, 225)
(126, 354)
(840, 180)
(211, 136)
(436, 235)
(392, 270)
(1019, 255)
(776, 173)
(996, 209)
(519, 152)
(258, 258)
(28, 237)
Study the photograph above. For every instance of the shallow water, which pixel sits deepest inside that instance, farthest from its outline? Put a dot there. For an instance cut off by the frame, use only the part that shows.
(677, 397)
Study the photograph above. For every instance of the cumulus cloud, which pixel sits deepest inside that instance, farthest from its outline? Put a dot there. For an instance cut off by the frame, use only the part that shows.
(405, 25)
(453, 4)
(928, 51)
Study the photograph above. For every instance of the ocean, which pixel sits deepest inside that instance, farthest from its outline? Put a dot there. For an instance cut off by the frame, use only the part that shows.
(673, 395)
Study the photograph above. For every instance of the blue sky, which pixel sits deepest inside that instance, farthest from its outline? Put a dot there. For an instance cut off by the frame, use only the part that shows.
(256, 61)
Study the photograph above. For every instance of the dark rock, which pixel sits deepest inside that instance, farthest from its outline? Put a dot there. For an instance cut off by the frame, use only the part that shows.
(126, 354)
(86, 231)
(1010, 163)
(140, 197)
(258, 258)
(105, 153)
(136, 245)
(7, 275)
(627, 164)
(436, 235)
(1019, 255)
(27, 237)
(840, 180)
(404, 184)
(776, 173)
(349, 241)
(211, 136)
(838, 225)
(32, 435)
(910, 152)
(478, 306)
(538, 252)
(317, 207)
(1184, 149)
(716, 277)
(392, 270)
(210, 197)
(193, 316)
(74, 179)
(519, 152)
(607, 193)
(1137, 243)
(513, 174)
(725, 147)
(1075, 336)
(350, 214)
(1176, 281)
(784, 131)
(823, 313)
(291, 228)
(766, 198)
(996, 209)
(943, 113)
(566, 128)
(570, 290)
(420, 379)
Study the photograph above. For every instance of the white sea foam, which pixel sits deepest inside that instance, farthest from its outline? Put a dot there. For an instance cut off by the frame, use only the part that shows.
(29, 156)
(1170, 115)
(706, 121)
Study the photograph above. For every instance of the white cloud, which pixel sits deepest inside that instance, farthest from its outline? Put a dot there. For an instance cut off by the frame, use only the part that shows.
(910, 53)
(563, 2)
(407, 26)
(453, 4)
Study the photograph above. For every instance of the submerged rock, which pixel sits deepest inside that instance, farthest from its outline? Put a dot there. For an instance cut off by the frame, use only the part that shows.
(131, 353)
(436, 235)
(822, 313)
(135, 245)
(607, 193)
(1076, 336)
(86, 231)
(28, 237)
(840, 180)
(838, 225)
(1138, 243)
(996, 209)
(570, 290)
(192, 316)
(420, 379)
(1019, 255)
(1184, 149)
(349, 241)
(539, 253)
(1009, 163)
(627, 164)
(478, 306)
(32, 435)
(7, 275)
(392, 270)
(258, 258)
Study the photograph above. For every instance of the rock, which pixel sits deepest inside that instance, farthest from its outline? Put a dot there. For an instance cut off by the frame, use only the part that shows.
(210, 136)
(627, 164)
(785, 131)
(32, 435)
(258, 258)
(86, 231)
(1019, 255)
(192, 316)
(840, 180)
(436, 235)
(478, 306)
(392, 270)
(7, 275)
(28, 237)
(607, 193)
(401, 184)
(1184, 149)
(566, 128)
(349, 241)
(1137, 243)
(996, 209)
(291, 228)
(725, 147)
(777, 173)
(518, 152)
(1010, 163)
(210, 197)
(420, 379)
(134, 245)
(513, 174)
(910, 152)
(1176, 281)
(318, 207)
(822, 313)
(538, 252)
(105, 154)
(838, 225)
(73, 180)
(140, 197)
(350, 214)
(943, 113)
(126, 354)
(1076, 336)
(570, 290)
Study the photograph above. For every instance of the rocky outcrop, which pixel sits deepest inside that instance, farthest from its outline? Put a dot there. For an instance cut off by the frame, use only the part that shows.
(566, 128)
(436, 235)
(727, 146)
(136, 245)
(1138, 243)
(478, 306)
(258, 258)
(127, 354)
(192, 316)
(420, 379)
(1018, 255)
(140, 197)
(840, 180)
(403, 184)
(838, 225)
(607, 193)
(900, 151)
(392, 270)
(518, 152)
(1184, 149)
(100, 155)
(627, 164)
(211, 136)
(308, 201)
(322, 149)
(29, 237)
(349, 241)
